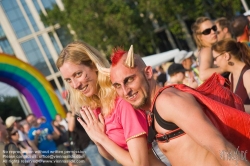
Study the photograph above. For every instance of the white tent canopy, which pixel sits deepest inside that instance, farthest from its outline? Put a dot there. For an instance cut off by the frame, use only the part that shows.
(158, 59)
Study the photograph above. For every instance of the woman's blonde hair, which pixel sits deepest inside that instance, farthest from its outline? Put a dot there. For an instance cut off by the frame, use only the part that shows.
(82, 53)
(196, 30)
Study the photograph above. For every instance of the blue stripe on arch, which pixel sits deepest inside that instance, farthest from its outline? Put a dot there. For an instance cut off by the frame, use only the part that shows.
(31, 100)
(31, 89)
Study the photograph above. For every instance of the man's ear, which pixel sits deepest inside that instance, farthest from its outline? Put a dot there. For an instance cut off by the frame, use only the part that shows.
(148, 72)
(225, 30)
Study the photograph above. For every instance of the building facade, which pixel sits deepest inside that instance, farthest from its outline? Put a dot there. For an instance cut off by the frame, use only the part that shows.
(23, 34)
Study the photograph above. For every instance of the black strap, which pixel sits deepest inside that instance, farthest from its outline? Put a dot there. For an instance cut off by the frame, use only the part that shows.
(164, 124)
(166, 137)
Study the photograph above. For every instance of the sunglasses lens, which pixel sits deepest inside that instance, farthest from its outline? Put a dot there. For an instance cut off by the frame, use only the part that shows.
(214, 28)
(206, 31)
(14, 133)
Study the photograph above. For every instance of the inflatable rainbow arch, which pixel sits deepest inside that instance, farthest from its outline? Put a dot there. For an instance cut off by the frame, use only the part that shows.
(32, 84)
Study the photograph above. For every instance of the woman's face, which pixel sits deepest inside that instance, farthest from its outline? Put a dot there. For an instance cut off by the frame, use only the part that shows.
(207, 34)
(219, 60)
(80, 77)
(14, 135)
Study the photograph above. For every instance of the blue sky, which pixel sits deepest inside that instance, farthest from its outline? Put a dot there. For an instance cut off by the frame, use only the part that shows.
(7, 90)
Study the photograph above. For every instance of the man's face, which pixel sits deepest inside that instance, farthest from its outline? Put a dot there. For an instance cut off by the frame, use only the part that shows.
(130, 84)
(187, 63)
(220, 33)
(58, 118)
(32, 120)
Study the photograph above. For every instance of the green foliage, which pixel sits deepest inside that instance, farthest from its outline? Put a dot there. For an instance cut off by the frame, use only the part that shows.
(106, 24)
(10, 106)
(168, 11)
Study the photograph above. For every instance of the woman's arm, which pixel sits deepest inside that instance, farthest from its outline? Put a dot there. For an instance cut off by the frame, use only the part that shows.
(206, 64)
(103, 152)
(246, 82)
(138, 152)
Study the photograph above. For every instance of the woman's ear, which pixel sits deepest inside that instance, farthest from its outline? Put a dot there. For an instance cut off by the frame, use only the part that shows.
(148, 72)
(227, 56)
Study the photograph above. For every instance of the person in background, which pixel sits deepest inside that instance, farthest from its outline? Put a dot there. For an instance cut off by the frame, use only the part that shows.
(42, 135)
(240, 29)
(186, 59)
(13, 121)
(161, 78)
(13, 145)
(61, 121)
(234, 57)
(24, 142)
(177, 74)
(247, 14)
(223, 32)
(204, 33)
(41, 120)
(223, 28)
(3, 138)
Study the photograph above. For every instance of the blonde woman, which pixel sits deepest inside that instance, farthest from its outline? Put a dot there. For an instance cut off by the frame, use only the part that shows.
(204, 33)
(120, 131)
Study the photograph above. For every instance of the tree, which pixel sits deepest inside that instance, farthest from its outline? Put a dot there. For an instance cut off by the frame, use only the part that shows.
(166, 12)
(106, 24)
(10, 106)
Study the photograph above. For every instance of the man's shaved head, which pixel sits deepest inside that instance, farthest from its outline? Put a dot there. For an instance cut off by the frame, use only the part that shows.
(120, 56)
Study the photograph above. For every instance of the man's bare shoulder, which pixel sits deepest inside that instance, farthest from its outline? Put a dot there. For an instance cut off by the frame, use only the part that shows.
(170, 94)
(172, 102)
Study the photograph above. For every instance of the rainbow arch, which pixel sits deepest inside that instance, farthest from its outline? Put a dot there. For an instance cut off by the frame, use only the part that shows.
(32, 84)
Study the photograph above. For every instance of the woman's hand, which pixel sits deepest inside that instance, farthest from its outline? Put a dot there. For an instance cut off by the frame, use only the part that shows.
(94, 127)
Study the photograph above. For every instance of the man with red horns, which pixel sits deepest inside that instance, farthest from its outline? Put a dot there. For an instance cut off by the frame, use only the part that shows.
(192, 127)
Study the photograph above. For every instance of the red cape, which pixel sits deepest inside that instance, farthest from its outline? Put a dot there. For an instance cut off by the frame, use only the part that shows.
(220, 106)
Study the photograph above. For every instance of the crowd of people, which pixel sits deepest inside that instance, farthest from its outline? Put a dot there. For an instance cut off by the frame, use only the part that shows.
(223, 48)
(121, 112)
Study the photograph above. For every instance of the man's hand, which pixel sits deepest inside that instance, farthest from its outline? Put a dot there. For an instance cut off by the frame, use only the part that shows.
(50, 137)
(38, 132)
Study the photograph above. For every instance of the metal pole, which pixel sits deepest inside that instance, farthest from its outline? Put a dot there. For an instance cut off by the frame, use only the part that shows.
(244, 5)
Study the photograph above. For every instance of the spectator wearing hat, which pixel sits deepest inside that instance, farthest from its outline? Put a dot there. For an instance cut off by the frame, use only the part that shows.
(13, 121)
(247, 14)
(186, 59)
(12, 144)
(223, 28)
(177, 74)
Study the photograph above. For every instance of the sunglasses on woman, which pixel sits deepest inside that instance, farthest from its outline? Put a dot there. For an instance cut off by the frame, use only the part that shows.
(14, 133)
(208, 30)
